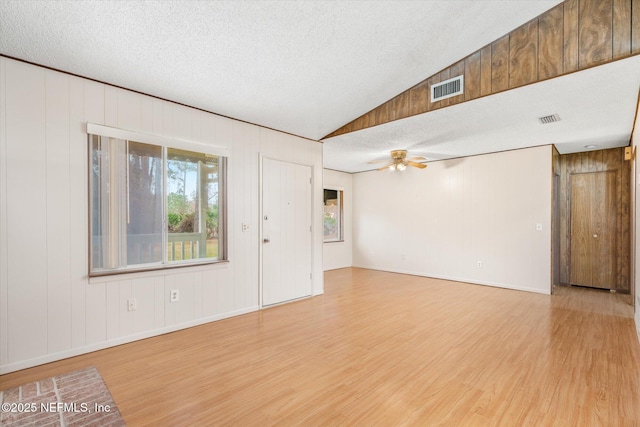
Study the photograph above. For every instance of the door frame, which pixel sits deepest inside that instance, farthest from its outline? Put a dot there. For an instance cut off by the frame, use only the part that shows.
(261, 158)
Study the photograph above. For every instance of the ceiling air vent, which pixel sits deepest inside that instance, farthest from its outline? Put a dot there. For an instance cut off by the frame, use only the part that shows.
(549, 119)
(447, 88)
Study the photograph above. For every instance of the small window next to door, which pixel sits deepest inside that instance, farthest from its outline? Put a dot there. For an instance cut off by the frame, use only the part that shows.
(332, 218)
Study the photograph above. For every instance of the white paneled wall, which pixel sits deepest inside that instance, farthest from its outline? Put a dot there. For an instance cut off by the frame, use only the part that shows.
(49, 308)
(4, 256)
(339, 254)
(443, 220)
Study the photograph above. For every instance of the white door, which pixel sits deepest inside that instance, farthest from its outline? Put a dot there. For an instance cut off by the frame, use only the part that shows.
(286, 231)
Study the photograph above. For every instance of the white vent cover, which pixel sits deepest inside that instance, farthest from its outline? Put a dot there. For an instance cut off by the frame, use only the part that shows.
(549, 119)
(447, 88)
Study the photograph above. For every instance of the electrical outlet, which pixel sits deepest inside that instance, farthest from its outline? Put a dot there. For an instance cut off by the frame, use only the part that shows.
(132, 304)
(479, 264)
(174, 295)
(245, 227)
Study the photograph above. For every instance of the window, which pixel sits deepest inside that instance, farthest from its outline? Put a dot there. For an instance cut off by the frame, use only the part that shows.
(332, 218)
(153, 206)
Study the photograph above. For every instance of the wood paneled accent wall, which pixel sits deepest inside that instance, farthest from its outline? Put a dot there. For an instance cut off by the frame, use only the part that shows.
(555, 217)
(574, 35)
(597, 161)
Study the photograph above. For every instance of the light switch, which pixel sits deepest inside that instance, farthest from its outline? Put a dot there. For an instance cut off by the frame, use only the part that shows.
(539, 227)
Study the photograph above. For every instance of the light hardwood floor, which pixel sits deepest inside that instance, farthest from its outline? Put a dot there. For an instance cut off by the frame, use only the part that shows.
(386, 349)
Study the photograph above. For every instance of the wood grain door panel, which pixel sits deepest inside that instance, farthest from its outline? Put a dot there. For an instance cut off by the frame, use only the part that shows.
(580, 238)
(593, 226)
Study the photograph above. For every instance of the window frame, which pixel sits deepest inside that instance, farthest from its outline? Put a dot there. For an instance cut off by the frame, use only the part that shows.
(165, 144)
(340, 194)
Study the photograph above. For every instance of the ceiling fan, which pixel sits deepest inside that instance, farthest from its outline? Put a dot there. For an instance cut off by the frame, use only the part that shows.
(400, 161)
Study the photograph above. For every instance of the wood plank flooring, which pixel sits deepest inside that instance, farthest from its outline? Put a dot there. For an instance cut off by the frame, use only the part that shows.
(386, 349)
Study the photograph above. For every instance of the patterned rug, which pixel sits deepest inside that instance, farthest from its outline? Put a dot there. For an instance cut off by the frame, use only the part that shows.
(79, 398)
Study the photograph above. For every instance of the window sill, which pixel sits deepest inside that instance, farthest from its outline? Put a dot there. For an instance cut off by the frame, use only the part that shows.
(333, 241)
(156, 271)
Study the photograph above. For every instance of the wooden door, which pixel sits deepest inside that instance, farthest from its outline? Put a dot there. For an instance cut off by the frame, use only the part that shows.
(286, 231)
(593, 226)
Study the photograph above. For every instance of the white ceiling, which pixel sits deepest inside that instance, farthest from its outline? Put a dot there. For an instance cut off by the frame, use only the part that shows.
(596, 106)
(308, 67)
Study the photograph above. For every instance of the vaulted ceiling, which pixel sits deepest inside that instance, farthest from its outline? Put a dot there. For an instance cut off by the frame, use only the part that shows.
(308, 68)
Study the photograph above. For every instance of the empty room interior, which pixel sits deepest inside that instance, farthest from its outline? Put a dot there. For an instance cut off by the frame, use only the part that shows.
(319, 213)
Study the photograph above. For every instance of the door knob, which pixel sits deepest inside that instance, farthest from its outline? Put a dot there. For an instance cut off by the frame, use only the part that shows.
(265, 240)
(595, 236)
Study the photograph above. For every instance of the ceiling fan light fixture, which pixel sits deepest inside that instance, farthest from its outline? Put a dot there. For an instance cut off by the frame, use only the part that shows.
(400, 161)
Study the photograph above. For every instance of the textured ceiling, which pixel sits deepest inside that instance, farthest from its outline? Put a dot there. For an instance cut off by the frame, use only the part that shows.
(309, 67)
(303, 67)
(596, 106)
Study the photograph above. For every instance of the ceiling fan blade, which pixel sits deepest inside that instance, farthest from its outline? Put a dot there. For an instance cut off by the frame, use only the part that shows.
(416, 165)
(385, 167)
(418, 158)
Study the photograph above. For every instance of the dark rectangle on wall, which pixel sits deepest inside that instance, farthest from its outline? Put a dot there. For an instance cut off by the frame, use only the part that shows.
(523, 55)
(595, 33)
(551, 36)
(500, 64)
